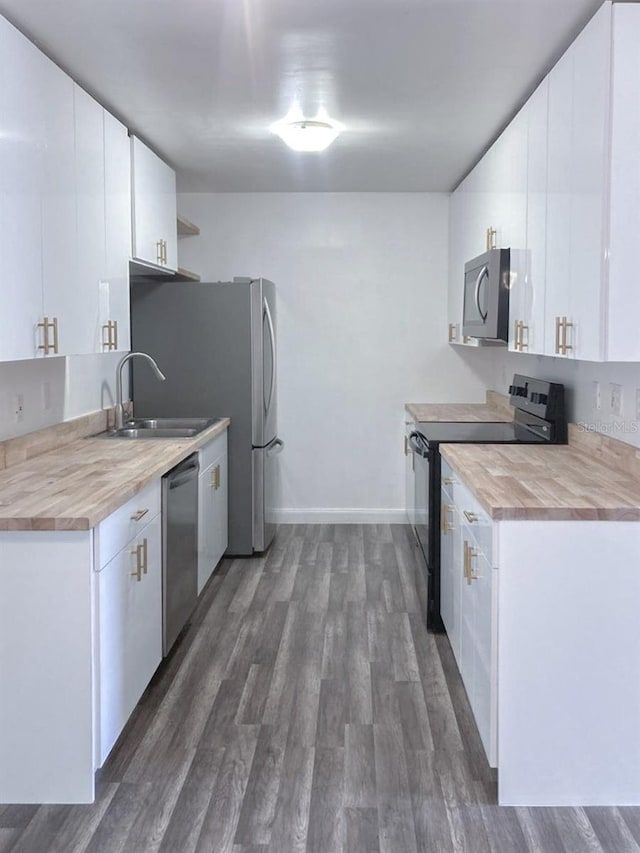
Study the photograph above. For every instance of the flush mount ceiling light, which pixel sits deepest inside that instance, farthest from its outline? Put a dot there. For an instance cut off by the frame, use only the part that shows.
(304, 134)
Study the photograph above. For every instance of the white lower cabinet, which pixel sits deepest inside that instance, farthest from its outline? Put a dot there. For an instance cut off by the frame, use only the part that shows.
(213, 535)
(467, 602)
(130, 630)
(545, 643)
(80, 638)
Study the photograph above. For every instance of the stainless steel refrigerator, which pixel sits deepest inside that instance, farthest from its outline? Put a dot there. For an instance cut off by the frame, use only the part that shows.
(216, 344)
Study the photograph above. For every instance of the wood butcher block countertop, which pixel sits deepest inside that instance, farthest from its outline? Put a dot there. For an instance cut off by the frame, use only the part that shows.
(496, 408)
(78, 485)
(560, 482)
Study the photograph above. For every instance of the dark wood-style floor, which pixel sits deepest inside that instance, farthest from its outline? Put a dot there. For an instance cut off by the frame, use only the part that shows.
(307, 709)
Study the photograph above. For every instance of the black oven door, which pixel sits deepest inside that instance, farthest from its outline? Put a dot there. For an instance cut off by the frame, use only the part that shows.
(421, 521)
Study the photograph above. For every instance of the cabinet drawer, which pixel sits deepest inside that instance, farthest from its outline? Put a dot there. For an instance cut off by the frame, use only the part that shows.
(126, 522)
(211, 451)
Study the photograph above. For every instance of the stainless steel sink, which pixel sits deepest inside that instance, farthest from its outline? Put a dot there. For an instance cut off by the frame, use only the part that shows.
(163, 428)
(198, 424)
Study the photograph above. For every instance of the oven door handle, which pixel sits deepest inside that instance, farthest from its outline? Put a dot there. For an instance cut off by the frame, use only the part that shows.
(418, 444)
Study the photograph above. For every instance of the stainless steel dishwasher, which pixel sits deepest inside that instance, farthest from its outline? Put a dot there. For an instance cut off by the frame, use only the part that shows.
(179, 548)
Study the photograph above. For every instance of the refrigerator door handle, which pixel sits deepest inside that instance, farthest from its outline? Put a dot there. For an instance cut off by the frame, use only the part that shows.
(272, 341)
(276, 446)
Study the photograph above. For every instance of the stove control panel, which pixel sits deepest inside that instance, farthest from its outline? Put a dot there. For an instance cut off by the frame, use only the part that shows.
(538, 397)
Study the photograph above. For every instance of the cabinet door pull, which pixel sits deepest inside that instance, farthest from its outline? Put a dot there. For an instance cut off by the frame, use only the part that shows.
(159, 252)
(55, 335)
(139, 514)
(465, 563)
(139, 563)
(565, 326)
(557, 341)
(449, 481)
(491, 238)
(145, 565)
(470, 516)
(453, 332)
(445, 524)
(45, 346)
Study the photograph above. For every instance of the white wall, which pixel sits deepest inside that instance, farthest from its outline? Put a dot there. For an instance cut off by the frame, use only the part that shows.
(361, 283)
(55, 389)
(579, 378)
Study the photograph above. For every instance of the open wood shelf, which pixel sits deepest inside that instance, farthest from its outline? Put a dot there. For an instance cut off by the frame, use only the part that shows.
(186, 228)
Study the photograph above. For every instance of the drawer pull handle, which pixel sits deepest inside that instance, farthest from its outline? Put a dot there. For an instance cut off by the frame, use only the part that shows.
(470, 516)
(144, 549)
(140, 514)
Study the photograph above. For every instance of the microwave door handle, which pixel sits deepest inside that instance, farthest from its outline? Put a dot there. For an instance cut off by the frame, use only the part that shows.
(483, 272)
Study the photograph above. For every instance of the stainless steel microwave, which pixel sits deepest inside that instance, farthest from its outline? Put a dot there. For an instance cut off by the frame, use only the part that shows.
(487, 281)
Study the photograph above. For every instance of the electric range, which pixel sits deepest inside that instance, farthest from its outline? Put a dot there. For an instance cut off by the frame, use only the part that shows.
(539, 418)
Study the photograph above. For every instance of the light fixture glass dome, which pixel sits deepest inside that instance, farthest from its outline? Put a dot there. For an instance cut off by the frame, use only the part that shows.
(304, 134)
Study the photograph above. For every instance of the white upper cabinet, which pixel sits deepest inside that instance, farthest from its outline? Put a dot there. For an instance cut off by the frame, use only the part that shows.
(527, 297)
(576, 191)
(114, 289)
(155, 230)
(74, 300)
(563, 183)
(621, 288)
(20, 188)
(65, 217)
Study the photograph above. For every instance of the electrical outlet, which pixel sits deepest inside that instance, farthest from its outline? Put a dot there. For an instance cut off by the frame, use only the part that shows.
(597, 397)
(18, 407)
(615, 396)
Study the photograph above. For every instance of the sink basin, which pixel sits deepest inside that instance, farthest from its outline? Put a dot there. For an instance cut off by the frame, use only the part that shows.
(197, 424)
(163, 428)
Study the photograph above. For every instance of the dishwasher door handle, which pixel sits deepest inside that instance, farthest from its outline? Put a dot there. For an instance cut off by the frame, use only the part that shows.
(184, 477)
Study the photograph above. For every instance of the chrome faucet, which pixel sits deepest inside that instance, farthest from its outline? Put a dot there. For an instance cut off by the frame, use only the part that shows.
(121, 364)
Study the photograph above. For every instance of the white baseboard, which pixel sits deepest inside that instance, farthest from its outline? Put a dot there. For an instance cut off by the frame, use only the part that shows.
(341, 516)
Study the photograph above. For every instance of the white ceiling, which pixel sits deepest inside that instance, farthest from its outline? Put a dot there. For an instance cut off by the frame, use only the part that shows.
(423, 86)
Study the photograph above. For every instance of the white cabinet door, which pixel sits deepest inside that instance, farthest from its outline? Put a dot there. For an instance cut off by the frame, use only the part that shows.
(21, 152)
(206, 527)
(527, 297)
(130, 630)
(155, 230)
(484, 696)
(59, 214)
(114, 290)
(221, 508)
(212, 518)
(508, 209)
(623, 293)
(590, 123)
(577, 148)
(450, 572)
(74, 299)
(558, 233)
